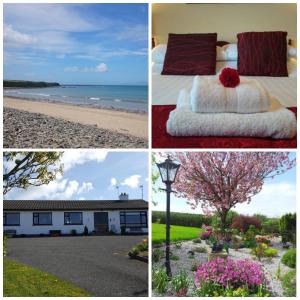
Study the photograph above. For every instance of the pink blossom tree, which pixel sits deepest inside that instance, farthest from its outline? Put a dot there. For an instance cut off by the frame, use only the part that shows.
(219, 180)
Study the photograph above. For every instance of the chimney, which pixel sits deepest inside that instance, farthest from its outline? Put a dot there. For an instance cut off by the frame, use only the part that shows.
(123, 196)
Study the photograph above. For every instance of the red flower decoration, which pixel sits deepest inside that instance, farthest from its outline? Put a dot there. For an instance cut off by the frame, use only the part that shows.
(229, 77)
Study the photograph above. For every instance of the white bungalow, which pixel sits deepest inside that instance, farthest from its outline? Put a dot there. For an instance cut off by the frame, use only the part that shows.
(36, 217)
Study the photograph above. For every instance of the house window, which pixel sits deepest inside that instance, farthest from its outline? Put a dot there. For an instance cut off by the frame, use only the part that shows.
(11, 219)
(73, 218)
(133, 219)
(44, 218)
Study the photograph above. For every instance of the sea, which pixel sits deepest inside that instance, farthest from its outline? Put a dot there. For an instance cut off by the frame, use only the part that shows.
(124, 97)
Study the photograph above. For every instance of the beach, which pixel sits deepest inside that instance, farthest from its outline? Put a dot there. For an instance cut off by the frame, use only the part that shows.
(37, 124)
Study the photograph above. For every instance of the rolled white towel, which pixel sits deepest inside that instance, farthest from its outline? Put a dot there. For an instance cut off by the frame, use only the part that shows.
(208, 95)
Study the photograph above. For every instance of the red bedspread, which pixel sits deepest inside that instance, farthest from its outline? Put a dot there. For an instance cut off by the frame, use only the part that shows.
(161, 139)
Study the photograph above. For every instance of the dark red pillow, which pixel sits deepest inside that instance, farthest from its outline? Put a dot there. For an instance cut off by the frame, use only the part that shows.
(262, 53)
(191, 54)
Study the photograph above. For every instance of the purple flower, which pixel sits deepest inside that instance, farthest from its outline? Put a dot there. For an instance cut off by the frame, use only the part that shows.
(229, 272)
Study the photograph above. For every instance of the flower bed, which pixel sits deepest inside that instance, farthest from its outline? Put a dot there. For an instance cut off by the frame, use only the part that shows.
(229, 274)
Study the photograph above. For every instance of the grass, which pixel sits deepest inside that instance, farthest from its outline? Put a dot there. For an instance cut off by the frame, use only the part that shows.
(24, 281)
(178, 233)
(289, 284)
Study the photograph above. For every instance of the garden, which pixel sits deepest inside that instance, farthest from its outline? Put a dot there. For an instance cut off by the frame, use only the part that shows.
(232, 254)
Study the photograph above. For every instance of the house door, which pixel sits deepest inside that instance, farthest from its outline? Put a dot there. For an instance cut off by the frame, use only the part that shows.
(101, 222)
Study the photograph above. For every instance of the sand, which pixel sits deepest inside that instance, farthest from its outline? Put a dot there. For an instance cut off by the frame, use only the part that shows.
(118, 121)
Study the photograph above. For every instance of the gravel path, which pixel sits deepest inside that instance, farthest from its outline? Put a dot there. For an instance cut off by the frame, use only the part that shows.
(185, 262)
(31, 130)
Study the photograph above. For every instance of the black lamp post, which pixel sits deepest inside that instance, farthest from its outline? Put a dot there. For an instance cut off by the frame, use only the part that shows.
(168, 171)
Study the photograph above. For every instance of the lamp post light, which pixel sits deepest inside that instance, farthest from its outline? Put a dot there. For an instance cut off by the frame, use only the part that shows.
(168, 171)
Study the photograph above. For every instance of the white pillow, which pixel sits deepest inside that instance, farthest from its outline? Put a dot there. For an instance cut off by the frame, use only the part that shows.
(292, 52)
(159, 53)
(231, 51)
(221, 54)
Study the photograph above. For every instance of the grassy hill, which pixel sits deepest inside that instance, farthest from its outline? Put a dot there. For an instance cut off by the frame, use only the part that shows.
(27, 84)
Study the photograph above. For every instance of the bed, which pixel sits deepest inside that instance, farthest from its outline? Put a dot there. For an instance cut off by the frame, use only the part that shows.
(165, 89)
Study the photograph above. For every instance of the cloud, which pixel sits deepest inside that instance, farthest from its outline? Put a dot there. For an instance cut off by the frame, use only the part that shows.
(86, 187)
(14, 38)
(101, 68)
(275, 199)
(132, 181)
(71, 158)
(53, 17)
(137, 32)
(61, 189)
(113, 181)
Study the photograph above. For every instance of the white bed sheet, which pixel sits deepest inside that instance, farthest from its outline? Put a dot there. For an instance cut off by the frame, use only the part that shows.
(165, 88)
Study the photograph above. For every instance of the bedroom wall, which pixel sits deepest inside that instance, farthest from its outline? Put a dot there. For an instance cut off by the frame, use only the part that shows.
(225, 19)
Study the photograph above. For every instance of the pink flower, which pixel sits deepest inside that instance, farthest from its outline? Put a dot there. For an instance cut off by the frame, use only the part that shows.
(228, 272)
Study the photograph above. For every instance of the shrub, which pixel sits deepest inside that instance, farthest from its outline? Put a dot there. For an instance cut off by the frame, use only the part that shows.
(289, 284)
(216, 221)
(243, 223)
(205, 235)
(270, 226)
(160, 280)
(4, 245)
(197, 241)
(210, 289)
(262, 239)
(230, 273)
(270, 252)
(182, 219)
(194, 266)
(157, 254)
(178, 245)
(180, 284)
(174, 257)
(123, 230)
(289, 258)
(85, 230)
(288, 228)
(259, 250)
(200, 249)
(73, 232)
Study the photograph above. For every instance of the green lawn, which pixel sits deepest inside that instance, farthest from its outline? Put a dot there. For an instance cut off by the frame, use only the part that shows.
(178, 233)
(24, 281)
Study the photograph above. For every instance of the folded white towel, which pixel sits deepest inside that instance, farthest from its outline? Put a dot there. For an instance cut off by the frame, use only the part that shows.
(277, 123)
(208, 95)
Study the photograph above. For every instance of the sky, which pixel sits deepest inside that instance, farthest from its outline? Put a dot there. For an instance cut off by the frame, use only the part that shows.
(92, 175)
(76, 43)
(277, 197)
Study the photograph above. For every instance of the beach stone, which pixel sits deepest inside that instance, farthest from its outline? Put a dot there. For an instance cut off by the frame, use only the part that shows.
(31, 130)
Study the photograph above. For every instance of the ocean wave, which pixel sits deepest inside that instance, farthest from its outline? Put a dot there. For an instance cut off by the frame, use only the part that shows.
(117, 100)
(94, 98)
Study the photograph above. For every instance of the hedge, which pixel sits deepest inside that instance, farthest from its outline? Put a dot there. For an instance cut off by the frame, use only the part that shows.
(182, 219)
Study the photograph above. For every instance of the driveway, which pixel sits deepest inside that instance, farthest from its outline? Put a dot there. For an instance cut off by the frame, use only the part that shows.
(98, 264)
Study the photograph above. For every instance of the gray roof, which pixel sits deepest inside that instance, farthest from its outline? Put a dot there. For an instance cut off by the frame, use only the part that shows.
(29, 205)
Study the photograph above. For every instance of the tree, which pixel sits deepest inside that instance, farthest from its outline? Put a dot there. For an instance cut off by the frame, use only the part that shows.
(288, 226)
(24, 169)
(219, 180)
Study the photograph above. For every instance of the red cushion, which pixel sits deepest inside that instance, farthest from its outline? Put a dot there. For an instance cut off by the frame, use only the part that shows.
(191, 54)
(262, 53)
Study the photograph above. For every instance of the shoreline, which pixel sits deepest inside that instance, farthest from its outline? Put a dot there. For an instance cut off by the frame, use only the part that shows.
(118, 121)
(134, 111)
(23, 129)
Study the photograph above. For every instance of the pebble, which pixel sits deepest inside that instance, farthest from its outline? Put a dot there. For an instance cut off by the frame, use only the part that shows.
(270, 266)
(32, 130)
